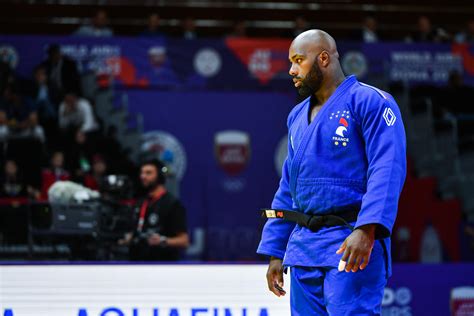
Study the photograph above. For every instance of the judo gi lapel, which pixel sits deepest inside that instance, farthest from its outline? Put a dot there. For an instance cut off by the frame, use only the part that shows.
(299, 153)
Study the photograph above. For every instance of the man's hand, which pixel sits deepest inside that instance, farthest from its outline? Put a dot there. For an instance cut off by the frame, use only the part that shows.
(154, 240)
(275, 276)
(125, 241)
(357, 248)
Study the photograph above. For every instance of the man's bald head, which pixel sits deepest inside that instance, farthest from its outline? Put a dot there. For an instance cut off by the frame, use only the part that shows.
(316, 41)
(314, 61)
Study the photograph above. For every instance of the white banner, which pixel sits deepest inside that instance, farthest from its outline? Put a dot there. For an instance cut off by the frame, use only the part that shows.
(139, 290)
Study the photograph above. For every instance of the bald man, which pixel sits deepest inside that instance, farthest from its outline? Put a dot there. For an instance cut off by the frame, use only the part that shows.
(336, 204)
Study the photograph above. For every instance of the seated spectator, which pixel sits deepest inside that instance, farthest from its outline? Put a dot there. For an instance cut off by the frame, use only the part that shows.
(5, 74)
(79, 156)
(62, 74)
(76, 113)
(4, 129)
(188, 29)
(453, 98)
(239, 30)
(41, 94)
(427, 33)
(98, 27)
(153, 26)
(301, 25)
(55, 172)
(17, 108)
(99, 170)
(468, 35)
(12, 184)
(33, 128)
(368, 32)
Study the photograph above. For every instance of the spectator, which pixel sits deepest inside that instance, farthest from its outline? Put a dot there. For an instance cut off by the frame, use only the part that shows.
(160, 221)
(468, 35)
(78, 156)
(239, 30)
(188, 29)
(4, 129)
(76, 113)
(17, 108)
(55, 172)
(427, 33)
(453, 97)
(13, 184)
(368, 32)
(61, 72)
(301, 25)
(41, 94)
(98, 27)
(153, 26)
(99, 170)
(33, 129)
(5, 75)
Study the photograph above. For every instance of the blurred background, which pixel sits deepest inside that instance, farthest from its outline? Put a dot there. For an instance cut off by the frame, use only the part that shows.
(89, 89)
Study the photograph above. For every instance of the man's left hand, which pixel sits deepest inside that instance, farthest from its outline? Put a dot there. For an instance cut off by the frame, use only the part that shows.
(357, 248)
(154, 240)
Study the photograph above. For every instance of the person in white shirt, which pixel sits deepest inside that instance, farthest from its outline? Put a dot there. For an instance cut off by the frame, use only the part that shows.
(468, 35)
(76, 112)
(98, 27)
(34, 129)
(369, 30)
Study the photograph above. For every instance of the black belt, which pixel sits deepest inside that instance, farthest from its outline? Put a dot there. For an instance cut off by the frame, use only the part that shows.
(314, 222)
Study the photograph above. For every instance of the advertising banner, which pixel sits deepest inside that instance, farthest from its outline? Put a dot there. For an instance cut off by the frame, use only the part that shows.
(230, 64)
(208, 290)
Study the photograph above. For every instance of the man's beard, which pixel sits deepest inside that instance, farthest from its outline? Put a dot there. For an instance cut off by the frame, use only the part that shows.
(312, 82)
(151, 186)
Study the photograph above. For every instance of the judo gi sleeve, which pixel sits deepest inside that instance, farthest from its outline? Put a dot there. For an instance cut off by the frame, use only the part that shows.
(385, 146)
(276, 232)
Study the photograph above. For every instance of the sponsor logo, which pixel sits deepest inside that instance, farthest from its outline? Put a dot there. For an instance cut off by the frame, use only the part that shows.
(265, 59)
(389, 116)
(354, 62)
(232, 150)
(207, 62)
(165, 147)
(397, 301)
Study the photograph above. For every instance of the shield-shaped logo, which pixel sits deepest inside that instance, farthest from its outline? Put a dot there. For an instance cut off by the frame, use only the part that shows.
(232, 149)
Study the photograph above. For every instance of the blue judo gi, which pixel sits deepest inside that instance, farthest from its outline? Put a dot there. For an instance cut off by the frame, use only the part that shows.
(353, 153)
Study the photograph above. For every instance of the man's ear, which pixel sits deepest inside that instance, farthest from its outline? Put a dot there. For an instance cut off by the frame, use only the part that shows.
(324, 59)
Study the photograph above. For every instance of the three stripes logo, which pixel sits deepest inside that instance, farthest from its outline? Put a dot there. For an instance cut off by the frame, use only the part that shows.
(389, 116)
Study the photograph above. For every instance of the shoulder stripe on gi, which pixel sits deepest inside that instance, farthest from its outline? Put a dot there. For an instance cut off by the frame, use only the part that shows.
(376, 89)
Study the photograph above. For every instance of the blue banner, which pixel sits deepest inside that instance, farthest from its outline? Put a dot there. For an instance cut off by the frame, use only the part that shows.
(223, 148)
(232, 64)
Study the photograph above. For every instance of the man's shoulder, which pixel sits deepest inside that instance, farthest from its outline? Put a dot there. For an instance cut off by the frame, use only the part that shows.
(365, 98)
(369, 91)
(84, 103)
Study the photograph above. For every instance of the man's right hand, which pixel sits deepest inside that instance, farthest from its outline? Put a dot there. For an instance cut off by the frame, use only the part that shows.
(126, 240)
(275, 276)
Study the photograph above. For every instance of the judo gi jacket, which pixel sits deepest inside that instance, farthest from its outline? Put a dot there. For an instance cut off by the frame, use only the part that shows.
(352, 154)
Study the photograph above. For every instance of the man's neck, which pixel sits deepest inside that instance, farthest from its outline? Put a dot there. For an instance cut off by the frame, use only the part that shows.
(329, 87)
(156, 191)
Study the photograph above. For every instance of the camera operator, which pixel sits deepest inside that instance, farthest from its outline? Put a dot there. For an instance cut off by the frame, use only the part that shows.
(159, 219)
